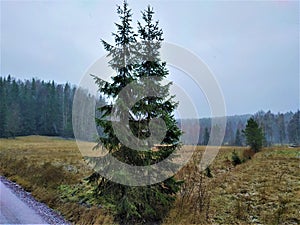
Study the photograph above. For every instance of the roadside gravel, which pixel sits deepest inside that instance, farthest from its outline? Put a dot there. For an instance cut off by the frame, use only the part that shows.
(46, 214)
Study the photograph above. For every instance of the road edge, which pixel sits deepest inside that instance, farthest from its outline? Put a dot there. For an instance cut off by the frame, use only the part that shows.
(48, 214)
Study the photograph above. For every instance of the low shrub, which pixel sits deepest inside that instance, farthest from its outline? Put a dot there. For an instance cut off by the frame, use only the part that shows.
(236, 160)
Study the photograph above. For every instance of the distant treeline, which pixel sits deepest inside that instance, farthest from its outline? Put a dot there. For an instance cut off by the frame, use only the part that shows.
(280, 128)
(35, 107)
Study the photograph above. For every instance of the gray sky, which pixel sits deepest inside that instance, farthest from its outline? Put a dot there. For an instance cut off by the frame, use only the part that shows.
(252, 48)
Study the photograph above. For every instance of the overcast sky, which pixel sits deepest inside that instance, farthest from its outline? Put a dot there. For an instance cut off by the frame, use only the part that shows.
(252, 48)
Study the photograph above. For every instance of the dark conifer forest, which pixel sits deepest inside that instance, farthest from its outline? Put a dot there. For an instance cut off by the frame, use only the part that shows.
(36, 107)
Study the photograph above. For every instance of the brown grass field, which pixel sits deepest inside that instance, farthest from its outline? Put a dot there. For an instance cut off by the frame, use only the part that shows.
(263, 190)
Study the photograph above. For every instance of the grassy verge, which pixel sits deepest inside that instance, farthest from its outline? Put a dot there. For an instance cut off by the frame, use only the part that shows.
(51, 169)
(265, 189)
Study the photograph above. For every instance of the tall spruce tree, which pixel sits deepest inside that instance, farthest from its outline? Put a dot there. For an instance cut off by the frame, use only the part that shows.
(133, 61)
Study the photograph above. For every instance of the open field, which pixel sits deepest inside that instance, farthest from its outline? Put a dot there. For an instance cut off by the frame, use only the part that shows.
(265, 189)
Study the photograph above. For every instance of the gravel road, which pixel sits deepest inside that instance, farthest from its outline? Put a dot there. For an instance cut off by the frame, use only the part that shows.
(19, 207)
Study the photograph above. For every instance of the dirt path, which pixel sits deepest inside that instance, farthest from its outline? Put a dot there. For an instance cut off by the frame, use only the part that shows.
(19, 207)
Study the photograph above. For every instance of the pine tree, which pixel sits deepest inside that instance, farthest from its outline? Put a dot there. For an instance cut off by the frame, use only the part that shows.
(205, 136)
(229, 134)
(67, 110)
(238, 139)
(269, 124)
(294, 129)
(28, 120)
(13, 118)
(133, 61)
(3, 108)
(281, 128)
(254, 135)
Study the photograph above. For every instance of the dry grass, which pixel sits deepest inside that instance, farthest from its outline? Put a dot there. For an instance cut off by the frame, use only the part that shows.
(44, 164)
(265, 189)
